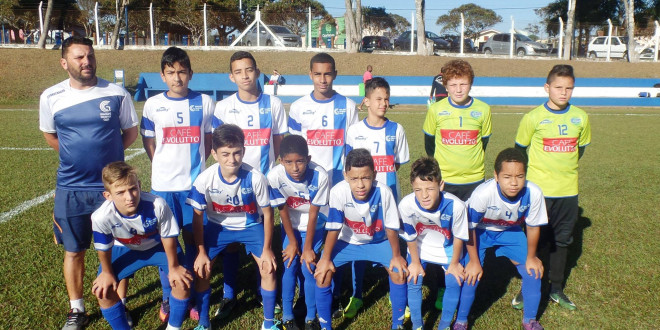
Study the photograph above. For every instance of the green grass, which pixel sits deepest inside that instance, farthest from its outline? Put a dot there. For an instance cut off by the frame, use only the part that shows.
(614, 262)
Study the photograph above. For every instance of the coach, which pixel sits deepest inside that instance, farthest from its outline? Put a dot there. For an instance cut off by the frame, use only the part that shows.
(90, 122)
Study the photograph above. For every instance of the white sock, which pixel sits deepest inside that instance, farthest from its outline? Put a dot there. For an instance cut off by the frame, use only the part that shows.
(170, 327)
(123, 301)
(78, 304)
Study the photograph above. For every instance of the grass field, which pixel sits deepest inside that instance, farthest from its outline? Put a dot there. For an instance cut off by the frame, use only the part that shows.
(614, 262)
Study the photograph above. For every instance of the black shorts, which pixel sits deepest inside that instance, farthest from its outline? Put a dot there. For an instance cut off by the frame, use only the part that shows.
(562, 217)
(462, 191)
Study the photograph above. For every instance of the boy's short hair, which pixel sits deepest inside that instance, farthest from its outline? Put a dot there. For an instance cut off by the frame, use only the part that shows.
(239, 55)
(426, 169)
(294, 144)
(359, 158)
(374, 83)
(456, 69)
(560, 70)
(228, 135)
(118, 171)
(510, 155)
(75, 40)
(175, 55)
(322, 58)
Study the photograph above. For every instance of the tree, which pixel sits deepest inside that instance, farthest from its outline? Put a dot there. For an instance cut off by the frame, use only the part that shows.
(476, 18)
(44, 33)
(401, 24)
(629, 6)
(353, 25)
(189, 15)
(293, 14)
(420, 8)
(376, 19)
(568, 32)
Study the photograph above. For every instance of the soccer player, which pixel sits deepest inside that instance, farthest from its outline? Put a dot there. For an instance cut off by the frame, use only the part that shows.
(555, 136)
(236, 201)
(299, 188)
(148, 231)
(176, 134)
(363, 224)
(89, 122)
(497, 210)
(435, 225)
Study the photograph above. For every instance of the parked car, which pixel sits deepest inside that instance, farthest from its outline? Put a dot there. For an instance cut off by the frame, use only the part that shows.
(371, 43)
(266, 39)
(618, 48)
(647, 53)
(455, 45)
(500, 43)
(403, 42)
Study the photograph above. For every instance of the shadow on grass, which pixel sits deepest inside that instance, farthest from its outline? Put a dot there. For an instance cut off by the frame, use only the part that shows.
(498, 272)
(375, 286)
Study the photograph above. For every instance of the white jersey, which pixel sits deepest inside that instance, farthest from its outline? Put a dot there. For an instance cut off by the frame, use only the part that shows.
(489, 209)
(298, 195)
(260, 121)
(324, 124)
(362, 222)
(178, 126)
(434, 230)
(388, 147)
(141, 231)
(234, 205)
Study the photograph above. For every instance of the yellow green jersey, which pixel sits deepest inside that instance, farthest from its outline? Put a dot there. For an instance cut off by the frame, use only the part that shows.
(553, 138)
(458, 131)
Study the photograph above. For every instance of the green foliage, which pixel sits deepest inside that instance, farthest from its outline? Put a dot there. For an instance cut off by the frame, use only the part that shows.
(477, 19)
(376, 19)
(294, 14)
(401, 24)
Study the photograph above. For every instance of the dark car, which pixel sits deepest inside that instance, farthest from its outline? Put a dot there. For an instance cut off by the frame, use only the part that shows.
(371, 43)
(455, 46)
(403, 42)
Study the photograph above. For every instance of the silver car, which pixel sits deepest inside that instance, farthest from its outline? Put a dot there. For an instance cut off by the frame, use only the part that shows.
(500, 43)
(266, 39)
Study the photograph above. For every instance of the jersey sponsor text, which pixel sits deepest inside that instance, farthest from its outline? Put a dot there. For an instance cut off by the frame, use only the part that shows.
(257, 137)
(325, 137)
(559, 144)
(459, 137)
(383, 164)
(361, 228)
(181, 135)
(249, 209)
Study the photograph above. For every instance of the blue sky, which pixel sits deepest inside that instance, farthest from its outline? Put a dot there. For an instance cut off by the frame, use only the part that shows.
(521, 10)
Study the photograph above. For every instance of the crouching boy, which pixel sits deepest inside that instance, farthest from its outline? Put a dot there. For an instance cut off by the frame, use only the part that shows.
(145, 226)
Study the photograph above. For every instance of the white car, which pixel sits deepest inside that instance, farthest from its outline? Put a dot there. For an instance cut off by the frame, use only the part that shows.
(598, 47)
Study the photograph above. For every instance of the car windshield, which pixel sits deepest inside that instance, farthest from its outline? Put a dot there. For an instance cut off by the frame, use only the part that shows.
(279, 29)
(431, 35)
(522, 37)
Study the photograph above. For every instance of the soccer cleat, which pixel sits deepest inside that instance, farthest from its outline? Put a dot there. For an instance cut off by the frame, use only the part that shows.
(226, 305)
(517, 302)
(406, 314)
(460, 326)
(276, 326)
(129, 319)
(290, 325)
(532, 325)
(75, 320)
(201, 327)
(438, 299)
(312, 325)
(164, 313)
(337, 310)
(353, 307)
(563, 301)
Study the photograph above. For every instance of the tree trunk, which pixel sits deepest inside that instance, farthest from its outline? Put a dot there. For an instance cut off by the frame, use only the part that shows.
(420, 6)
(44, 34)
(119, 10)
(353, 24)
(630, 20)
(568, 32)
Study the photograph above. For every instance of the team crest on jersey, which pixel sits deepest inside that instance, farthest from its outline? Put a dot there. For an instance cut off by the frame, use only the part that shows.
(246, 191)
(193, 107)
(545, 121)
(523, 208)
(374, 208)
(312, 188)
(308, 112)
(264, 111)
(576, 121)
(390, 138)
(444, 113)
(340, 111)
(445, 217)
(150, 222)
(234, 111)
(475, 114)
(106, 111)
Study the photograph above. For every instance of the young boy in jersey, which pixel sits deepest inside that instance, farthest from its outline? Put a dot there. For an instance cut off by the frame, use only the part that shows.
(145, 226)
(497, 210)
(176, 134)
(435, 226)
(555, 136)
(299, 188)
(456, 132)
(362, 225)
(235, 198)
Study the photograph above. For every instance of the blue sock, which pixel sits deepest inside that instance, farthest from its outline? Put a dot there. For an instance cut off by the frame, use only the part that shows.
(203, 301)
(229, 271)
(289, 280)
(531, 291)
(269, 306)
(178, 309)
(189, 256)
(324, 306)
(415, 303)
(357, 268)
(165, 283)
(398, 297)
(309, 287)
(466, 300)
(450, 300)
(116, 316)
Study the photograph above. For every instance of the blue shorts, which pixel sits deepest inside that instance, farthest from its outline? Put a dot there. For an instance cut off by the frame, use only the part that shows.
(125, 262)
(176, 200)
(344, 253)
(510, 243)
(319, 235)
(217, 239)
(72, 218)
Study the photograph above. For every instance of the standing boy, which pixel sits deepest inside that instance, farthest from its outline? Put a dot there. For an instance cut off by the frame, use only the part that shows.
(498, 209)
(145, 226)
(235, 198)
(435, 226)
(89, 122)
(299, 188)
(363, 224)
(555, 136)
(176, 134)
